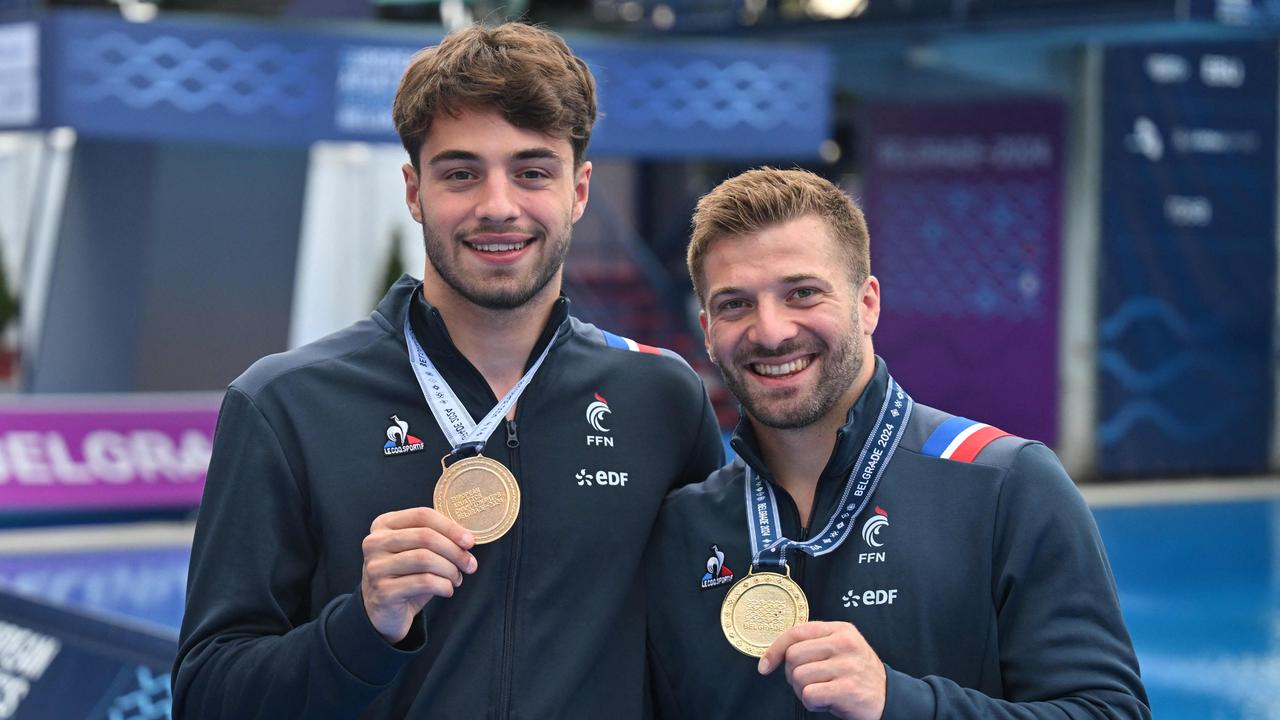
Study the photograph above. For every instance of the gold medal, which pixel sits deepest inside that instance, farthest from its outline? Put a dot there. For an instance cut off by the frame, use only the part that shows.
(479, 494)
(759, 608)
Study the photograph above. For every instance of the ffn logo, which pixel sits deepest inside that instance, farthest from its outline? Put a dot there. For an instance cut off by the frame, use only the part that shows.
(595, 418)
(871, 529)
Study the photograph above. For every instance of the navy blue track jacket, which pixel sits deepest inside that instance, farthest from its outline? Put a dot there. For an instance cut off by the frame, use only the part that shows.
(307, 454)
(982, 585)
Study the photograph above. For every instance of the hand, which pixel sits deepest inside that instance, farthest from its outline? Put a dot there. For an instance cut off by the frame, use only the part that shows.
(831, 668)
(411, 556)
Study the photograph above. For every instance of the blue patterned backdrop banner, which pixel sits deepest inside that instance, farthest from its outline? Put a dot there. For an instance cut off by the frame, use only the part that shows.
(241, 82)
(1187, 286)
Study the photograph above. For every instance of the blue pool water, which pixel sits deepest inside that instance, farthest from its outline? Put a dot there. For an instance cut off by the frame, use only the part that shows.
(1200, 589)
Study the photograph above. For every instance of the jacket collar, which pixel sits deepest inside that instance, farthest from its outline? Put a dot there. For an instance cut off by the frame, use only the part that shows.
(429, 327)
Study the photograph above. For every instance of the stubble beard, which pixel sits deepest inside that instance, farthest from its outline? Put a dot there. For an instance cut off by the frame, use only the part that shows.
(497, 296)
(837, 372)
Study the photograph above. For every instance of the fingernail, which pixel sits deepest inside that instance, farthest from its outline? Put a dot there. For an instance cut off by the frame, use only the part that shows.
(468, 539)
(765, 666)
(472, 563)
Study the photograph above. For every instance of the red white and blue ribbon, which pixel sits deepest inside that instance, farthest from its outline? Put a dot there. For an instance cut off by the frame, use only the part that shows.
(625, 343)
(960, 439)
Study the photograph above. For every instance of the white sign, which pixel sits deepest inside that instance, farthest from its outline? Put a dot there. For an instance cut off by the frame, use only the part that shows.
(19, 74)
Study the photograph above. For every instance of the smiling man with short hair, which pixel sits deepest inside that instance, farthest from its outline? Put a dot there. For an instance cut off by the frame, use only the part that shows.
(874, 557)
(418, 516)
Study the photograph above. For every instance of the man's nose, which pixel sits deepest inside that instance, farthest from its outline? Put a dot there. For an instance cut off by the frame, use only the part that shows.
(497, 204)
(773, 325)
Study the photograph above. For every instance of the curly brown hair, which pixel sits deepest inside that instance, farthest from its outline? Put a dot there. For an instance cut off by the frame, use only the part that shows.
(765, 197)
(526, 73)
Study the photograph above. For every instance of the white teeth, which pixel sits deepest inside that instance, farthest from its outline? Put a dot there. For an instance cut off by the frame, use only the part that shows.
(499, 247)
(784, 369)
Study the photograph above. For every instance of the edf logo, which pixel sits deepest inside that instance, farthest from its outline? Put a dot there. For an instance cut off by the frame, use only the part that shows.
(870, 597)
(601, 478)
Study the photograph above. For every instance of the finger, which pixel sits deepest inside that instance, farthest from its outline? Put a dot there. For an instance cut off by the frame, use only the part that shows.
(776, 652)
(396, 541)
(414, 562)
(428, 538)
(815, 650)
(820, 696)
(810, 673)
(424, 517)
(420, 587)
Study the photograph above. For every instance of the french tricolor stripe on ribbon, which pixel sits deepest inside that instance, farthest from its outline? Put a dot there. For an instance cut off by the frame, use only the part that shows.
(960, 439)
(622, 343)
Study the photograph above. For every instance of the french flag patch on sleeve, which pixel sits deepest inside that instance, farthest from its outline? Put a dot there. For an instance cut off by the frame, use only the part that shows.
(622, 343)
(960, 439)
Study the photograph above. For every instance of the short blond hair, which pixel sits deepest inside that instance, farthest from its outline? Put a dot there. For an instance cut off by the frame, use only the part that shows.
(766, 197)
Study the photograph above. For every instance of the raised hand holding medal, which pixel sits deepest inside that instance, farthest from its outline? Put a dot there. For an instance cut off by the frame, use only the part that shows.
(477, 492)
(767, 603)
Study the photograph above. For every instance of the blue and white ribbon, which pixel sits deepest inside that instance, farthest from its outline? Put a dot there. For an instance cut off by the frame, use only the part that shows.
(455, 422)
(769, 546)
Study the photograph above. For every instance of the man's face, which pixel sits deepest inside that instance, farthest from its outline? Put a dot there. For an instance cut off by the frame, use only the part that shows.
(497, 205)
(785, 325)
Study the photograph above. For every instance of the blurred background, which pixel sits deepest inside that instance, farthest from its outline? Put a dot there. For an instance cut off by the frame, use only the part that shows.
(1073, 217)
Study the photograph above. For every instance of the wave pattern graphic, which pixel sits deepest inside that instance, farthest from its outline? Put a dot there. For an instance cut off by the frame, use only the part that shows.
(1146, 390)
(1150, 309)
(144, 73)
(759, 94)
(1114, 429)
(1134, 380)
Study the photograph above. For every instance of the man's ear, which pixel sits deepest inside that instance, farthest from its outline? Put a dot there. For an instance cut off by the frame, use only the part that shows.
(869, 305)
(581, 190)
(411, 188)
(705, 324)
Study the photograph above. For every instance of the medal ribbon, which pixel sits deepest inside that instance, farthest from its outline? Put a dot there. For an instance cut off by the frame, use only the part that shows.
(769, 546)
(459, 429)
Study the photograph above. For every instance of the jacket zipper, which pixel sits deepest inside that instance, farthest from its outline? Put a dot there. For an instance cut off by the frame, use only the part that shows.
(508, 626)
(797, 574)
(795, 564)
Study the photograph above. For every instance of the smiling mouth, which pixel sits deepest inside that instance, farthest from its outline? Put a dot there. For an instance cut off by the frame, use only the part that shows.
(782, 369)
(499, 247)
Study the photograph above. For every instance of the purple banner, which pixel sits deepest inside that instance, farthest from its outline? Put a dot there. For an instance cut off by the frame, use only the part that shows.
(98, 455)
(963, 202)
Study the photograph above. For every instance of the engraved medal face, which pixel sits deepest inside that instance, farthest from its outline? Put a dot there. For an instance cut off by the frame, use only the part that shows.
(759, 608)
(479, 494)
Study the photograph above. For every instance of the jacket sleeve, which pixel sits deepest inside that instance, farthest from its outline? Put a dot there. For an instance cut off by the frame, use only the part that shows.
(1064, 649)
(251, 646)
(707, 453)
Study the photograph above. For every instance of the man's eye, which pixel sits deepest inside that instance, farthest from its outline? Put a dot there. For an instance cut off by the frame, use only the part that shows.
(732, 305)
(459, 175)
(804, 293)
(533, 174)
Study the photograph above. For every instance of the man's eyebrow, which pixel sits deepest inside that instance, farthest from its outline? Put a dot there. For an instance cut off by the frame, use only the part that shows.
(730, 290)
(787, 280)
(451, 155)
(538, 153)
(799, 278)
